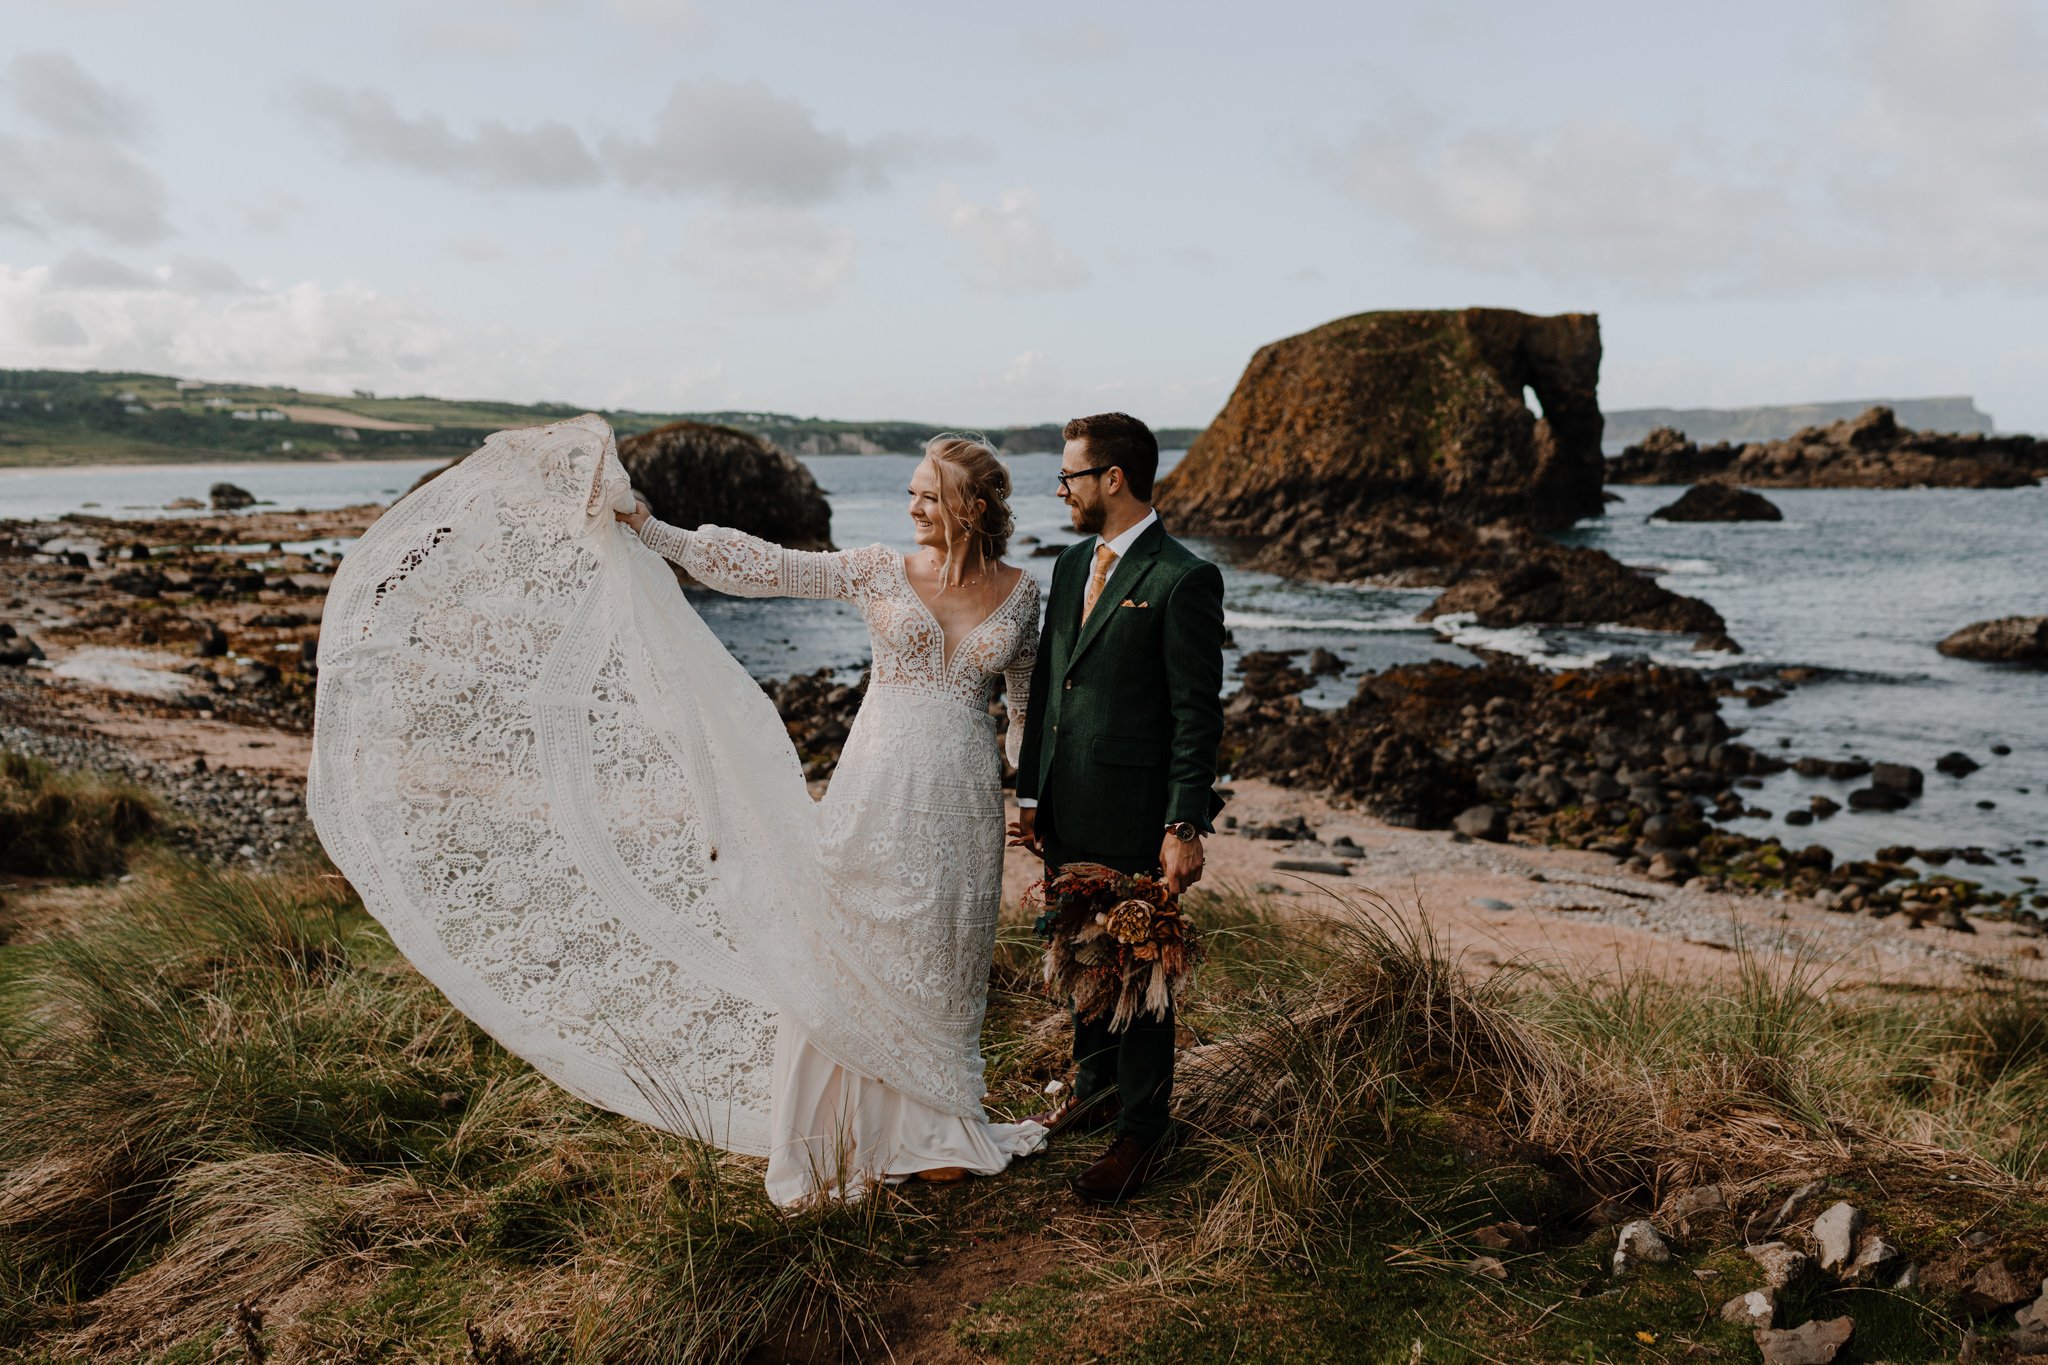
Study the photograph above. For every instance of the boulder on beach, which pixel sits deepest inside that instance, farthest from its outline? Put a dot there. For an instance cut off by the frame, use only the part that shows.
(1718, 502)
(228, 497)
(2007, 640)
(1425, 405)
(1870, 450)
(693, 474)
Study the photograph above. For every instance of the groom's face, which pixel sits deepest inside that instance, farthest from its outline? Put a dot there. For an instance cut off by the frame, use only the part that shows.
(1083, 496)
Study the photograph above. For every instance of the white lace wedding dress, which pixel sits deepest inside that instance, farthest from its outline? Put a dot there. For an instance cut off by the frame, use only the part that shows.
(581, 819)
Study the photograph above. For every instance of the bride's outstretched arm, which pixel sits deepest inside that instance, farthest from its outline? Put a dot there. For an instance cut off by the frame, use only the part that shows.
(748, 566)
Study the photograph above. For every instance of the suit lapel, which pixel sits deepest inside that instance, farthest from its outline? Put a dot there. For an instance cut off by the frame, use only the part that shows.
(1129, 571)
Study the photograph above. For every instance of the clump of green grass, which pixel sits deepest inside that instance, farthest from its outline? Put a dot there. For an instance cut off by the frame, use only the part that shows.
(63, 824)
(228, 1085)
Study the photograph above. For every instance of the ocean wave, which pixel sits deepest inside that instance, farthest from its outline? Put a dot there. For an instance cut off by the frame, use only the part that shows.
(1524, 642)
(1392, 623)
(1701, 568)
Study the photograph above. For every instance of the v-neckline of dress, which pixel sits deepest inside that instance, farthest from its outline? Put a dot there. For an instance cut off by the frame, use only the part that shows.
(948, 655)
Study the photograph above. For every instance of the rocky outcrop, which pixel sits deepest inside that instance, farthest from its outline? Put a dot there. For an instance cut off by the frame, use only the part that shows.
(228, 497)
(1719, 502)
(1868, 451)
(1327, 426)
(2007, 640)
(692, 473)
(1549, 584)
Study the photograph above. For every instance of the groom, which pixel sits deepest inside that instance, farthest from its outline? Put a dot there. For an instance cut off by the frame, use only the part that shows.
(1119, 754)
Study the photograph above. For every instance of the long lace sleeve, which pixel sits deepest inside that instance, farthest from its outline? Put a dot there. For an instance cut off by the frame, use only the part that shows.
(1017, 679)
(748, 566)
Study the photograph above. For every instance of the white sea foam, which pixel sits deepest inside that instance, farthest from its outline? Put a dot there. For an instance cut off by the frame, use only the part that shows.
(1524, 642)
(1704, 568)
(1392, 623)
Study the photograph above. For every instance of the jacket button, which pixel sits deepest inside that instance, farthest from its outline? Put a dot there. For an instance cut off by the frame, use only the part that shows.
(1070, 684)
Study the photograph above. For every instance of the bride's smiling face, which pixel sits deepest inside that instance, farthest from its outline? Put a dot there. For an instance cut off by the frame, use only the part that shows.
(928, 516)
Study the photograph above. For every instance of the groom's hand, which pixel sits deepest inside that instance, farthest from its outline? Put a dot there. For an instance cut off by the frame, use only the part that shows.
(1180, 861)
(1024, 831)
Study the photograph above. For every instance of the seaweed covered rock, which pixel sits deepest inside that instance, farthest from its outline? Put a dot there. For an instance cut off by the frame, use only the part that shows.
(2007, 640)
(1718, 502)
(1327, 426)
(693, 474)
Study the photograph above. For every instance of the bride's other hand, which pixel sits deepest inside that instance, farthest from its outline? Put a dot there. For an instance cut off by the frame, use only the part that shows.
(1024, 832)
(637, 517)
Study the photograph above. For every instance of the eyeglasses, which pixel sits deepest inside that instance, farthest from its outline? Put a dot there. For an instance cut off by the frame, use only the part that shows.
(1082, 474)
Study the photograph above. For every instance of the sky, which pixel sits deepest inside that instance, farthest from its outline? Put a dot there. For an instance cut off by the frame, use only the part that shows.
(980, 214)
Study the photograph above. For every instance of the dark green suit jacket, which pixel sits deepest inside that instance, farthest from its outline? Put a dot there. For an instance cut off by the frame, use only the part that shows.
(1127, 710)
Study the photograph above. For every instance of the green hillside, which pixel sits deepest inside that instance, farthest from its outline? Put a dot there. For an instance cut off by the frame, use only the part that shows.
(59, 417)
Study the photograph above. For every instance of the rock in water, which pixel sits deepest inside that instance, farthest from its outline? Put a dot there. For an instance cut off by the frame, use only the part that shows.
(2007, 640)
(693, 474)
(1423, 405)
(228, 497)
(1561, 585)
(1814, 1343)
(1867, 451)
(1719, 502)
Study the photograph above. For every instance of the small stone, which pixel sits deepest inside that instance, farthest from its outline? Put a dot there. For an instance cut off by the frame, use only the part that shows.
(1782, 1266)
(1875, 1251)
(1995, 1287)
(1489, 903)
(1639, 1244)
(1504, 1237)
(1486, 1267)
(1483, 822)
(2033, 1319)
(1813, 1343)
(1834, 1234)
(1754, 1309)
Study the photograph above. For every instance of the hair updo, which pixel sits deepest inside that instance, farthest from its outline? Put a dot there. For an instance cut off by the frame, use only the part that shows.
(970, 473)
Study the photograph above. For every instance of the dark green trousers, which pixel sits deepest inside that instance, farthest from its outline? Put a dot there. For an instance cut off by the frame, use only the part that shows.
(1135, 1061)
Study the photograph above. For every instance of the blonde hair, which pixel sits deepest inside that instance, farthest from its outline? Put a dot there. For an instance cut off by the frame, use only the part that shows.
(969, 472)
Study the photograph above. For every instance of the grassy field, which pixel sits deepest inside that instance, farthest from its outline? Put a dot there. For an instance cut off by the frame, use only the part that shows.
(58, 417)
(235, 1125)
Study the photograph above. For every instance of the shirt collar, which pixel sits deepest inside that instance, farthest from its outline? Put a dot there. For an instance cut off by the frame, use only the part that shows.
(1121, 546)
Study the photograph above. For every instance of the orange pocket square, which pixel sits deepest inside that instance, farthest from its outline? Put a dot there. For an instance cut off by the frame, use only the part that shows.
(1127, 602)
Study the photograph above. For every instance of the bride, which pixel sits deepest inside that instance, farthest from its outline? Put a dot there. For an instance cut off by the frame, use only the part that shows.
(581, 819)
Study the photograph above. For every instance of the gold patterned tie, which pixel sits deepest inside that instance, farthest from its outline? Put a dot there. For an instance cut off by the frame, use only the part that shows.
(1105, 560)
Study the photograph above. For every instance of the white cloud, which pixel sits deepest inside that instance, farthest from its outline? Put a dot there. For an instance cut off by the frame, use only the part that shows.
(368, 126)
(776, 260)
(1015, 249)
(83, 270)
(1082, 41)
(53, 90)
(734, 140)
(476, 248)
(1934, 170)
(79, 171)
(199, 275)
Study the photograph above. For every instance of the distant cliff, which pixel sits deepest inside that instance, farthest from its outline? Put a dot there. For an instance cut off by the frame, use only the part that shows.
(1630, 426)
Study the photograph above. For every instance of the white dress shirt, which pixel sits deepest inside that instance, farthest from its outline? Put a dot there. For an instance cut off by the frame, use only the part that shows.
(1119, 547)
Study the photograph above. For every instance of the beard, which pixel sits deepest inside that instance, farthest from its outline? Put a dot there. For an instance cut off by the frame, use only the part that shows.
(1090, 518)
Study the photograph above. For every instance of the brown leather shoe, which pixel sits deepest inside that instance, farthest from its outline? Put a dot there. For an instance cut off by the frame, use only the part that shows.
(942, 1175)
(1076, 1115)
(1119, 1173)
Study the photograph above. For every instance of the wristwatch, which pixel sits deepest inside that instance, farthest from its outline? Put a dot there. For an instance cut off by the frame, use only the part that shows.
(1184, 831)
